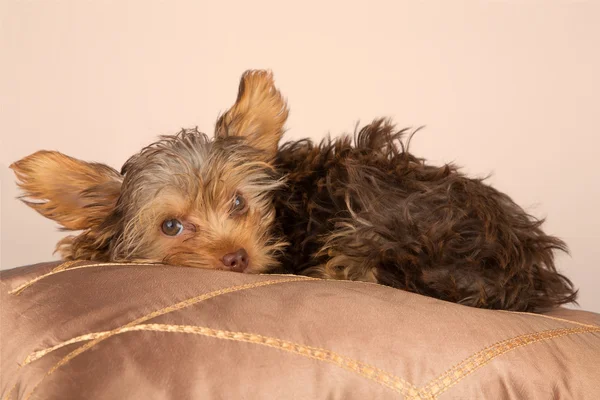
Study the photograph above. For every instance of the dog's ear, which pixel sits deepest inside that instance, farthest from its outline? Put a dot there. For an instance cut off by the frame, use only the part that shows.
(259, 113)
(76, 194)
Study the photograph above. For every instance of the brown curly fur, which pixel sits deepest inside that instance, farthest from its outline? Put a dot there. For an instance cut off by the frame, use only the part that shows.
(363, 208)
(358, 208)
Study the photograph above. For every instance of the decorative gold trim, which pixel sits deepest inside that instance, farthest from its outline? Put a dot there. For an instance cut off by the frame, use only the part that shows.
(429, 391)
(552, 318)
(36, 355)
(162, 311)
(443, 382)
(365, 370)
(65, 267)
(185, 303)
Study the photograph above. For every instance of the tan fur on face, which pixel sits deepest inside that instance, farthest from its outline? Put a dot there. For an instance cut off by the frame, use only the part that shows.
(358, 208)
(259, 113)
(187, 177)
(74, 193)
(194, 180)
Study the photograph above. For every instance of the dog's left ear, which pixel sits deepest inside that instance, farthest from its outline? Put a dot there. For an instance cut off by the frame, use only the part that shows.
(259, 113)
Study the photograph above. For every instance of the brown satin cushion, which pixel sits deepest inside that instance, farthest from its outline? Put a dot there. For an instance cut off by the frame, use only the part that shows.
(123, 331)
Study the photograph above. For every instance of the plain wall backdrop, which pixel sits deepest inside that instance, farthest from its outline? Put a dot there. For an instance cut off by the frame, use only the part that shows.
(503, 87)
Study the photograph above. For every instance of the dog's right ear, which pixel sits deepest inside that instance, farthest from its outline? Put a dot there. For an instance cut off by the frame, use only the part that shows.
(259, 113)
(76, 194)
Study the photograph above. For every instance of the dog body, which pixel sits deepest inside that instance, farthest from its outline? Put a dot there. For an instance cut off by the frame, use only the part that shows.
(358, 208)
(365, 209)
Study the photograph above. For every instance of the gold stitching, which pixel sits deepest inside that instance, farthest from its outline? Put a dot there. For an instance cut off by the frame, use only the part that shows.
(36, 355)
(65, 265)
(461, 370)
(92, 336)
(9, 395)
(430, 391)
(551, 317)
(162, 311)
(367, 371)
(60, 268)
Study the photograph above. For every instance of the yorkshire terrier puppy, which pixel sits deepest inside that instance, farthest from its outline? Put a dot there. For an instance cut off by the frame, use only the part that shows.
(357, 208)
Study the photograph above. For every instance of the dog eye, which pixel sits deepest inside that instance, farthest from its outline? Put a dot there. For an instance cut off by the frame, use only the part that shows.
(172, 227)
(239, 206)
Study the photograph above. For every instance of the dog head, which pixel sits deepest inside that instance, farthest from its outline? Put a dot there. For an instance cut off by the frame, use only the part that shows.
(187, 199)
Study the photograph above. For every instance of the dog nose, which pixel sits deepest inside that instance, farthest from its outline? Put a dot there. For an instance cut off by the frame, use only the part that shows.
(236, 261)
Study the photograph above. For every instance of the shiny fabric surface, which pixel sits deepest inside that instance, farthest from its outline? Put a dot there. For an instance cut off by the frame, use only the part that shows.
(134, 331)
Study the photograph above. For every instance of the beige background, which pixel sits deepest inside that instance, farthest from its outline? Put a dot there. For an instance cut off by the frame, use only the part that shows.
(505, 87)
